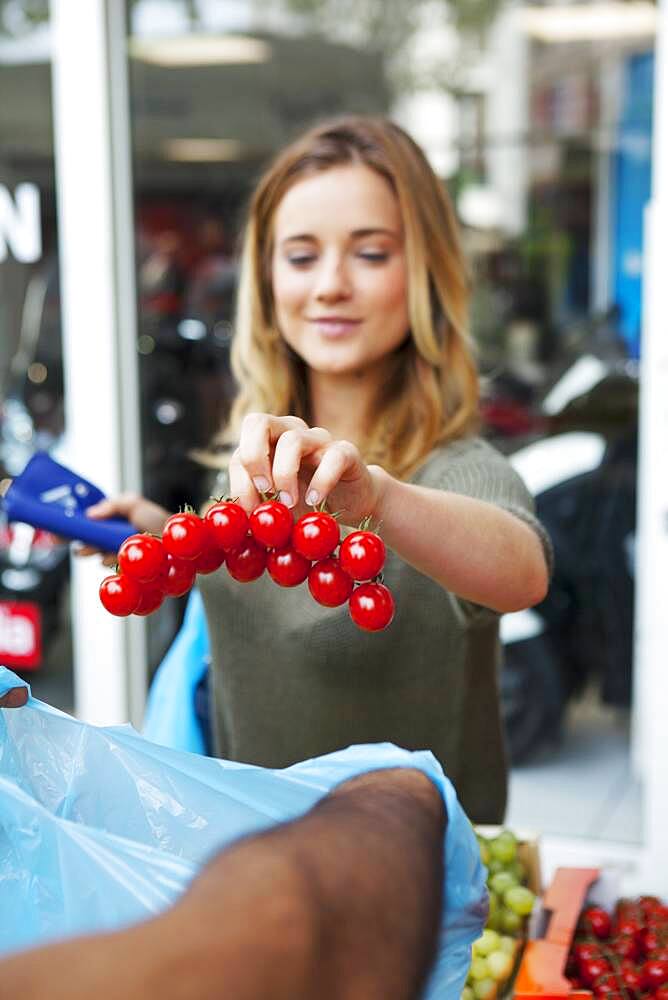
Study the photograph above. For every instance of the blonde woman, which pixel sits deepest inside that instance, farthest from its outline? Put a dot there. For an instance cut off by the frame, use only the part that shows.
(357, 386)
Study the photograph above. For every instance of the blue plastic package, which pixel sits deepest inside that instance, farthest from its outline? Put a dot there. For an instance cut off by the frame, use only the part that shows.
(50, 496)
(170, 718)
(100, 828)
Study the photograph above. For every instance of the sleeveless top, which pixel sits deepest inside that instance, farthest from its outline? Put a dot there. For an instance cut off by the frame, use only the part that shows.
(291, 679)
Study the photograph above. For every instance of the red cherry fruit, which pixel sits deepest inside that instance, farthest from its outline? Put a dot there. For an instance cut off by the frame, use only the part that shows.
(152, 596)
(142, 557)
(271, 524)
(228, 523)
(655, 972)
(287, 567)
(597, 921)
(178, 577)
(316, 535)
(328, 584)
(362, 555)
(119, 594)
(371, 606)
(184, 535)
(247, 561)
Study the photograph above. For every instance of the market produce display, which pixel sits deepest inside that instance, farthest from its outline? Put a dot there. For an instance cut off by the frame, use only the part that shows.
(510, 904)
(291, 552)
(622, 955)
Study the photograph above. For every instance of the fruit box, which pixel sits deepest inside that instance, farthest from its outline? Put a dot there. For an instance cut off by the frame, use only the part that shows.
(540, 975)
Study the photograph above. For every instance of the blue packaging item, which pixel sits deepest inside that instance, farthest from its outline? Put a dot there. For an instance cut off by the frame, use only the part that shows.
(100, 828)
(170, 718)
(50, 496)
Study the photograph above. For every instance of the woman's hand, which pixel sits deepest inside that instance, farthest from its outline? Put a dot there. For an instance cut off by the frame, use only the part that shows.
(142, 513)
(305, 465)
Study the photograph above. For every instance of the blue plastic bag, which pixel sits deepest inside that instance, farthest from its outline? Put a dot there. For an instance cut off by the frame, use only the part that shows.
(100, 828)
(170, 718)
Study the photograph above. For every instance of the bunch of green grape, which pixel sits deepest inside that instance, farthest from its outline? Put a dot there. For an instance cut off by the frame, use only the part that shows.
(510, 904)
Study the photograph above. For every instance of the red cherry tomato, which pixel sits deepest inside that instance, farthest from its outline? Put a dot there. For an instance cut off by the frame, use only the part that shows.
(661, 993)
(362, 555)
(316, 535)
(178, 578)
(287, 567)
(655, 973)
(596, 920)
(328, 584)
(583, 950)
(660, 954)
(184, 535)
(247, 562)
(651, 938)
(371, 606)
(210, 559)
(142, 557)
(271, 524)
(633, 980)
(591, 968)
(152, 596)
(630, 925)
(607, 983)
(119, 594)
(626, 946)
(228, 522)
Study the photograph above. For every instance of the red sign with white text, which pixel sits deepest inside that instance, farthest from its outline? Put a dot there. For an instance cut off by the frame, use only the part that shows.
(20, 635)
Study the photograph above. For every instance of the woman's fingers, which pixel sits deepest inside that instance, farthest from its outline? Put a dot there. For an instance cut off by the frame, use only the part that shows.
(259, 434)
(241, 485)
(339, 458)
(291, 449)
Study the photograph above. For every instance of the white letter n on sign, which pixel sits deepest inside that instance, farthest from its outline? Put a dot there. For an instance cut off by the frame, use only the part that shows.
(20, 224)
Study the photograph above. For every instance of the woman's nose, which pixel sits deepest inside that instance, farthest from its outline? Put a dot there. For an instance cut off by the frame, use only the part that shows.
(332, 281)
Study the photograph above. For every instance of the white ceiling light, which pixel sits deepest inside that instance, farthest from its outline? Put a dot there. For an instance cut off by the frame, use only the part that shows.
(589, 21)
(202, 150)
(200, 50)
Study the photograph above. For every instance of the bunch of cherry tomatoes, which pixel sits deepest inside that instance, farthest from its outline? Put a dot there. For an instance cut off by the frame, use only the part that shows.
(623, 956)
(152, 568)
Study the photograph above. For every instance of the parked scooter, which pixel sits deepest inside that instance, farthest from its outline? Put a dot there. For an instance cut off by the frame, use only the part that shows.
(583, 479)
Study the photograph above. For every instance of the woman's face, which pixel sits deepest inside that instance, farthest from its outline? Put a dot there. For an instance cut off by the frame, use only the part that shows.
(339, 270)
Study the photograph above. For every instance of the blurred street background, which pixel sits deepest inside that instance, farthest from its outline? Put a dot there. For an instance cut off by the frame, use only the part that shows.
(538, 117)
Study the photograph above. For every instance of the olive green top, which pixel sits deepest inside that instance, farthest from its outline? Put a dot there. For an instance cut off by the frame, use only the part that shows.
(292, 679)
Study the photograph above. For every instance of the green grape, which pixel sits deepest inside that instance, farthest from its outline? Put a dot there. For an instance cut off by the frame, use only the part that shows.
(467, 994)
(494, 866)
(517, 869)
(510, 922)
(484, 989)
(486, 943)
(494, 921)
(484, 850)
(504, 847)
(519, 899)
(507, 943)
(500, 965)
(494, 903)
(501, 881)
(479, 968)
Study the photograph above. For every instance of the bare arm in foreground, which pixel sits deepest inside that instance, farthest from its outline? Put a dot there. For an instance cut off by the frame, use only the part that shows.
(342, 904)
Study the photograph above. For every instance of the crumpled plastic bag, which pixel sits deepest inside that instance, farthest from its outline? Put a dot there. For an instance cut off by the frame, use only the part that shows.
(100, 828)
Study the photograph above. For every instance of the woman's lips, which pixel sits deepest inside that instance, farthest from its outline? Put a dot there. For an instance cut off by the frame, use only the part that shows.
(334, 326)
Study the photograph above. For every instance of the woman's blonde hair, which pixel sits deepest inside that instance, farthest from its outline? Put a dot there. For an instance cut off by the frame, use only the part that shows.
(431, 394)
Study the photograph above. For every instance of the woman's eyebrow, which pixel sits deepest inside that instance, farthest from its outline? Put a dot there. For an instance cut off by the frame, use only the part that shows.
(356, 234)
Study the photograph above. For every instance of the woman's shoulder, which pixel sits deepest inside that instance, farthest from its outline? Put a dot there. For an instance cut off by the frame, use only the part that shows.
(463, 453)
